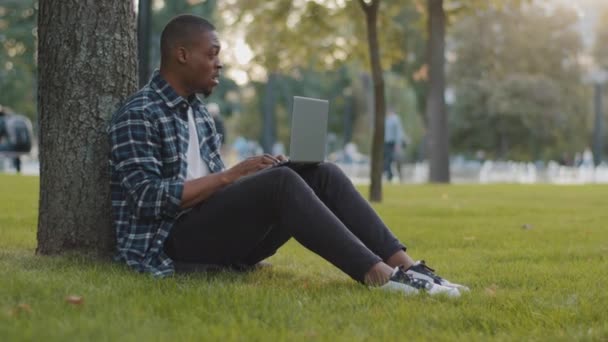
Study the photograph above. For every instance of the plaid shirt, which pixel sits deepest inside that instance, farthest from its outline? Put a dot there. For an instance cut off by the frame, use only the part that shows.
(148, 144)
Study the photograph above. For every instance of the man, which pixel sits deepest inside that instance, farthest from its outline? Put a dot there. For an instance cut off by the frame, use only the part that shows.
(174, 202)
(394, 142)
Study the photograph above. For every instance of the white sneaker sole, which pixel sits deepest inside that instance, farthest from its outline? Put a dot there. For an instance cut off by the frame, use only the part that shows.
(436, 290)
(399, 287)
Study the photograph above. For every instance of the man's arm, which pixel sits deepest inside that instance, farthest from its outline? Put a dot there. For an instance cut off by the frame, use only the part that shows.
(197, 190)
(135, 151)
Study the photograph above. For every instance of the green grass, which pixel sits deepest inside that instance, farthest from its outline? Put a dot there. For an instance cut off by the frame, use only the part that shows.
(543, 283)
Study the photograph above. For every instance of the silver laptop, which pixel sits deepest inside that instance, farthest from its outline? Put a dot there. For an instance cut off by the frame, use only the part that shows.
(308, 130)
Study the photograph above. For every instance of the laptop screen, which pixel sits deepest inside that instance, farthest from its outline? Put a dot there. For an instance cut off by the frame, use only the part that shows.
(308, 129)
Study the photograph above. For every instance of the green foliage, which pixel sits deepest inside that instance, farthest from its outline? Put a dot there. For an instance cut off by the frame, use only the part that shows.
(414, 66)
(333, 85)
(546, 282)
(312, 43)
(17, 55)
(517, 85)
(349, 94)
(285, 34)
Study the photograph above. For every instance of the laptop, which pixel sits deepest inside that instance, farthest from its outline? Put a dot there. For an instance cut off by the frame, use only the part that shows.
(308, 131)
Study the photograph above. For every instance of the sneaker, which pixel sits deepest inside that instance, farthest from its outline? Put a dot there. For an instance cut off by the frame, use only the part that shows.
(421, 271)
(403, 282)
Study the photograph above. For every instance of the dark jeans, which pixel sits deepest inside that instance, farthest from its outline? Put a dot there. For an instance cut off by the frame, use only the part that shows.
(250, 219)
(389, 158)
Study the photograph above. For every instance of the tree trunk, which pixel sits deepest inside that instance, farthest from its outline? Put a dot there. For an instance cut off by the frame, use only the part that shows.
(438, 150)
(371, 15)
(87, 66)
(598, 126)
(348, 118)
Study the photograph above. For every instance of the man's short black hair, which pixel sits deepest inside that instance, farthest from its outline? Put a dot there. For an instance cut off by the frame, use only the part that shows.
(181, 30)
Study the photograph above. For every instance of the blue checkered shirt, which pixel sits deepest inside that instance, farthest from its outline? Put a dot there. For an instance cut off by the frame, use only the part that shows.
(148, 141)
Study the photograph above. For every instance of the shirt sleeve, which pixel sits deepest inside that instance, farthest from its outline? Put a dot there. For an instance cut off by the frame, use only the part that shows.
(136, 157)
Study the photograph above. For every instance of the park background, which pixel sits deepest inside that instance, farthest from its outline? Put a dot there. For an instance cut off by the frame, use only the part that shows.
(501, 91)
(524, 79)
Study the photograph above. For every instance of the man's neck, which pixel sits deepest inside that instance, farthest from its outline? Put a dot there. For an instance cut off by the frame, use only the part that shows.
(173, 80)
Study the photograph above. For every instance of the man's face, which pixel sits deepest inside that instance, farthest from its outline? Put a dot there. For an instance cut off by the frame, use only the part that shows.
(203, 65)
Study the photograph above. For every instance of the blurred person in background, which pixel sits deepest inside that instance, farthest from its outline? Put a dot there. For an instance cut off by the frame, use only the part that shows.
(395, 142)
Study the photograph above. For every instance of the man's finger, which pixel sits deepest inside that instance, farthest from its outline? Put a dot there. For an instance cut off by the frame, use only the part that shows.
(271, 158)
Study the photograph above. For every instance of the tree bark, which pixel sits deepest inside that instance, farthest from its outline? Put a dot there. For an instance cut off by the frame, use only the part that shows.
(438, 149)
(371, 18)
(598, 126)
(87, 66)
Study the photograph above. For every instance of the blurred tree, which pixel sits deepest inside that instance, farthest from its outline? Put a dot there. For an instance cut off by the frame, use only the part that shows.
(324, 36)
(439, 13)
(414, 65)
(334, 85)
(370, 8)
(17, 55)
(87, 66)
(437, 137)
(517, 85)
(601, 109)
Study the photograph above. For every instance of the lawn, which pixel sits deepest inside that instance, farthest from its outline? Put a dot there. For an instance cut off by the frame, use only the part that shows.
(535, 258)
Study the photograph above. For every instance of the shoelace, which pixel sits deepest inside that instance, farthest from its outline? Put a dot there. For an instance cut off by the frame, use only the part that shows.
(430, 271)
(401, 276)
(421, 262)
(406, 278)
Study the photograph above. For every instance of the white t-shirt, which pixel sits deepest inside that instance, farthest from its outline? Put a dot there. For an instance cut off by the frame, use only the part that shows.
(196, 166)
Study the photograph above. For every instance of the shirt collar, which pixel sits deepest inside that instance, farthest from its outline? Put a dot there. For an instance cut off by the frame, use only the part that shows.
(168, 94)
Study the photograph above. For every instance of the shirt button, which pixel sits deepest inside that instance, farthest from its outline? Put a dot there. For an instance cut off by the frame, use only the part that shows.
(159, 242)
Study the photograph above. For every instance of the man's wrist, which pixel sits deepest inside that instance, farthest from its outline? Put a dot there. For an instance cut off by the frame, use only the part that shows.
(226, 177)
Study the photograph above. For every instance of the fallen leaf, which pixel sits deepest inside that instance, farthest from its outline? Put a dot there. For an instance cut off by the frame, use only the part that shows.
(311, 334)
(25, 307)
(445, 196)
(491, 290)
(527, 226)
(19, 309)
(75, 300)
(469, 238)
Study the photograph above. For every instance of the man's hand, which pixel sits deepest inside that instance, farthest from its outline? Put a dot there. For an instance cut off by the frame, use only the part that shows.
(281, 158)
(253, 164)
(197, 190)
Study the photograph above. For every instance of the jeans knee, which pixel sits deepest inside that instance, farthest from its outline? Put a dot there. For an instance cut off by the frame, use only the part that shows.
(285, 177)
(330, 170)
(283, 173)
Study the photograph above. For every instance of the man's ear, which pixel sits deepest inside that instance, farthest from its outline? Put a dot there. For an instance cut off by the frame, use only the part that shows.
(181, 55)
